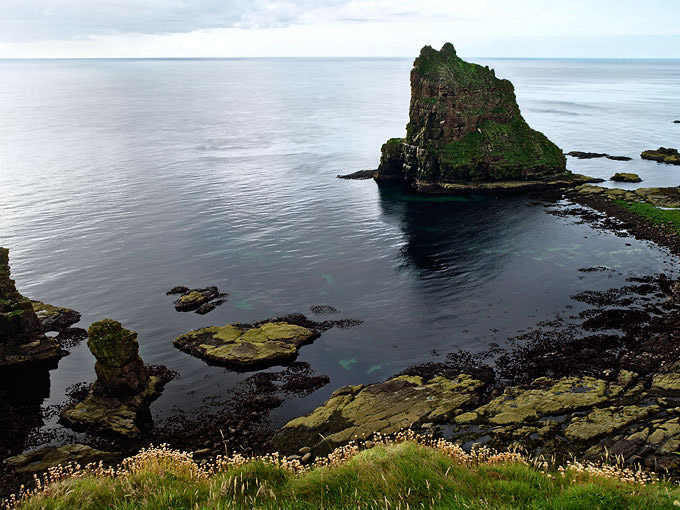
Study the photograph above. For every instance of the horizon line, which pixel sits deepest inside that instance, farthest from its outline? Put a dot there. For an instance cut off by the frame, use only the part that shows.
(330, 57)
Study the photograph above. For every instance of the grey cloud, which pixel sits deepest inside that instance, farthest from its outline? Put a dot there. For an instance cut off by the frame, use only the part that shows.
(22, 20)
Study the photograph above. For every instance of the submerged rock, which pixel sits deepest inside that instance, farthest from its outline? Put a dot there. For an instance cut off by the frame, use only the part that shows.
(465, 127)
(249, 345)
(201, 301)
(357, 412)
(39, 461)
(118, 401)
(662, 155)
(21, 337)
(625, 177)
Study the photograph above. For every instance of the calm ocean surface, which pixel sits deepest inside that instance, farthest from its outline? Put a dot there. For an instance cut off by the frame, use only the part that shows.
(122, 179)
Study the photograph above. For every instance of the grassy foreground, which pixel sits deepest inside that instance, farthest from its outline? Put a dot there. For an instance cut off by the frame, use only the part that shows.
(407, 473)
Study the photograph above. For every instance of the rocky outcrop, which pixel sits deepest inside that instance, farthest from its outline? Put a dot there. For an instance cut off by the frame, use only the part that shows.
(118, 400)
(662, 155)
(247, 346)
(357, 412)
(465, 127)
(635, 417)
(358, 176)
(658, 197)
(625, 177)
(21, 338)
(200, 301)
(39, 461)
(54, 318)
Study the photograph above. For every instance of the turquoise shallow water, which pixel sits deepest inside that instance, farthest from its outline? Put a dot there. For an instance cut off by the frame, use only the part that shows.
(122, 179)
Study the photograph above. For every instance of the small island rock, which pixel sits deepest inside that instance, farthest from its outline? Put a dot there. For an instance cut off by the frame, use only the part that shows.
(200, 301)
(246, 346)
(625, 177)
(662, 155)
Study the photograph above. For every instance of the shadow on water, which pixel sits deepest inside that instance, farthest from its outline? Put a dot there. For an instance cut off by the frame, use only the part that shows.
(21, 395)
(450, 236)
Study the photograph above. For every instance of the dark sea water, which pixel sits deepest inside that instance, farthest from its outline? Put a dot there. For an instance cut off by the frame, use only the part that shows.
(122, 179)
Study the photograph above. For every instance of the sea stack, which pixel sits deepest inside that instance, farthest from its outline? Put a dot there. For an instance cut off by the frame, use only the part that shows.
(22, 341)
(118, 401)
(465, 127)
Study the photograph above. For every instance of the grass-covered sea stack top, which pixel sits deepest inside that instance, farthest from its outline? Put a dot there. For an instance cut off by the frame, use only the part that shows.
(466, 127)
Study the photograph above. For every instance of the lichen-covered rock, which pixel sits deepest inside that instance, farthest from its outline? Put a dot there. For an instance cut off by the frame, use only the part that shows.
(39, 461)
(465, 126)
(247, 345)
(355, 412)
(21, 338)
(625, 177)
(602, 422)
(120, 370)
(547, 397)
(662, 155)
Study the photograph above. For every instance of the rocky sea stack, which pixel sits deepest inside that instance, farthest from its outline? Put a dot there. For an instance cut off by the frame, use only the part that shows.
(466, 128)
(118, 401)
(21, 338)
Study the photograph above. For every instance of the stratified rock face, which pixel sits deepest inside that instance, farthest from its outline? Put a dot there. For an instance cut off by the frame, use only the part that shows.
(465, 126)
(120, 370)
(21, 338)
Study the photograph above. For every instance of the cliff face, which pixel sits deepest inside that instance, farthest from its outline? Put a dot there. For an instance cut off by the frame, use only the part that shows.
(21, 338)
(18, 322)
(465, 126)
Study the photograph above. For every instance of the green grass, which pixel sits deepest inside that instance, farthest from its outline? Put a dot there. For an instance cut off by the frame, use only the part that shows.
(669, 218)
(397, 476)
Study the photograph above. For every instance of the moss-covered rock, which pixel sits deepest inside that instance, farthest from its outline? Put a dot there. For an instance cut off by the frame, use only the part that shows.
(21, 338)
(39, 461)
(120, 370)
(247, 345)
(662, 155)
(355, 412)
(465, 126)
(625, 177)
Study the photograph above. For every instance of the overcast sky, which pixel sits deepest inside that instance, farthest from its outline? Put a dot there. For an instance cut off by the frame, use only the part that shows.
(262, 28)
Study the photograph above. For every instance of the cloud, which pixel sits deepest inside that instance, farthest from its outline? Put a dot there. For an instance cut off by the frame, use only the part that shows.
(64, 19)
